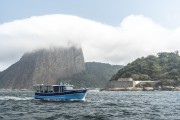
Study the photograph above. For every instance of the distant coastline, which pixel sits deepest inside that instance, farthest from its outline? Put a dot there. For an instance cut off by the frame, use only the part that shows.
(166, 88)
(128, 84)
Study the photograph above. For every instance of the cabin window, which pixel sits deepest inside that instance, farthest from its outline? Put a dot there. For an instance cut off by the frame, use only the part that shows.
(41, 90)
(45, 89)
(69, 88)
(56, 88)
(50, 89)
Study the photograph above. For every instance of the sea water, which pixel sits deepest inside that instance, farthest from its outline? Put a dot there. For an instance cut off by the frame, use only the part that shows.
(105, 105)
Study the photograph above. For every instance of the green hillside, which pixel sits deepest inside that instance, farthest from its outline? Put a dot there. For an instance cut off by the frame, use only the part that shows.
(96, 75)
(164, 67)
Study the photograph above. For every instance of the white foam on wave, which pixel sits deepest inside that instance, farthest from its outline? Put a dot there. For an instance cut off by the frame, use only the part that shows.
(94, 90)
(15, 98)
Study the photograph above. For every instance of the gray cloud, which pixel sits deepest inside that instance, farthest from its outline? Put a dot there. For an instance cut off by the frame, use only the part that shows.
(136, 36)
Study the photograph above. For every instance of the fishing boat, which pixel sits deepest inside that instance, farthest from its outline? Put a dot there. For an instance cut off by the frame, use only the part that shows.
(59, 92)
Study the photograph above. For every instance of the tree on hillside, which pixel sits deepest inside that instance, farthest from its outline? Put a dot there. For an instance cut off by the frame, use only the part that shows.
(165, 66)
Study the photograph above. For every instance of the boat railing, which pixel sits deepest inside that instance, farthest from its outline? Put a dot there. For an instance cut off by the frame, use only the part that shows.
(41, 88)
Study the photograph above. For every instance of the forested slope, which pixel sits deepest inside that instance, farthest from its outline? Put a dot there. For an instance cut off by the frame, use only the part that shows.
(164, 67)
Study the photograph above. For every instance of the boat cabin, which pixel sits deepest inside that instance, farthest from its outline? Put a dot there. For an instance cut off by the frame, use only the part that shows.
(41, 88)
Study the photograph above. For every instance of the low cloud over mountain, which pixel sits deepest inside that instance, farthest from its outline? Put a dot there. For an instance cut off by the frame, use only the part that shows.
(135, 36)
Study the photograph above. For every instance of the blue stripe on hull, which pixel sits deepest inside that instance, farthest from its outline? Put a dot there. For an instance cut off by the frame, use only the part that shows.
(74, 96)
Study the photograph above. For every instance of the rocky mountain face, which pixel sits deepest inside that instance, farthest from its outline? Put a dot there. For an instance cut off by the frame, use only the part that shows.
(44, 66)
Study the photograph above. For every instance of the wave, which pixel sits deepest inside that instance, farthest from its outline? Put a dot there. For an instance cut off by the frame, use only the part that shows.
(15, 98)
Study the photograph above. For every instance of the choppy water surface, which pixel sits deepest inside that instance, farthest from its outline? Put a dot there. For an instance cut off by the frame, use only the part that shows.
(98, 106)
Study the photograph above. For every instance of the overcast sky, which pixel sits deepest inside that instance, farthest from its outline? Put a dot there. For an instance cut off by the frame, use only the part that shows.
(113, 31)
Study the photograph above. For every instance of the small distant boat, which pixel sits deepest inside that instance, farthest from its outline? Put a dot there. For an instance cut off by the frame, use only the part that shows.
(59, 92)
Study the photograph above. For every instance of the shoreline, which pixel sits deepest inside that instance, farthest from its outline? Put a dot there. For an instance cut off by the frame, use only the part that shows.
(167, 88)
